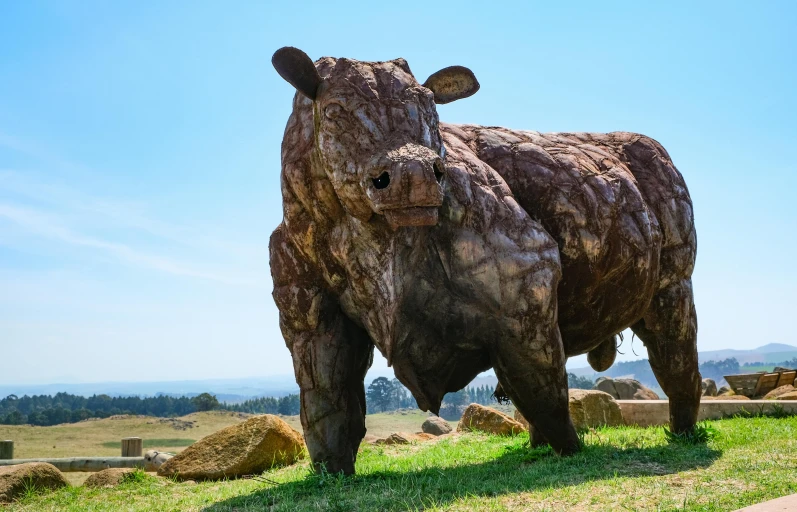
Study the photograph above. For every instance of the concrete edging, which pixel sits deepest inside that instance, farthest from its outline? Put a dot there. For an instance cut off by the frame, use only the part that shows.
(646, 413)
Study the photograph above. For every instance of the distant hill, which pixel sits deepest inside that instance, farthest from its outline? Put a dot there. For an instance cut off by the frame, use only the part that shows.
(231, 390)
(640, 370)
(238, 390)
(770, 353)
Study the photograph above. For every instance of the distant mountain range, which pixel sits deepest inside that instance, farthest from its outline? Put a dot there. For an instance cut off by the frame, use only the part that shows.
(237, 390)
(770, 353)
(226, 390)
(229, 390)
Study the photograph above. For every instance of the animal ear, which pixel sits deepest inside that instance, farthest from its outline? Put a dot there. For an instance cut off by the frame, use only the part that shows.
(297, 69)
(452, 83)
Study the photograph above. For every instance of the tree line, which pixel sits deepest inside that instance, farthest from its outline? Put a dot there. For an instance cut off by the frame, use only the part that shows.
(382, 395)
(45, 410)
(287, 405)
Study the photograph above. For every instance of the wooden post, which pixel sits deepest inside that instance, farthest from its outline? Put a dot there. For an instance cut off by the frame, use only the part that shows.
(6, 450)
(132, 447)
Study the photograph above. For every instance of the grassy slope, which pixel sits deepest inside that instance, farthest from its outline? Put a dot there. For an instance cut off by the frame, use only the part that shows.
(94, 438)
(751, 460)
(98, 438)
(102, 437)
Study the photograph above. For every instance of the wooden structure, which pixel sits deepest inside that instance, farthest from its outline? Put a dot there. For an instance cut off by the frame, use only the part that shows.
(758, 384)
(86, 464)
(6, 450)
(132, 447)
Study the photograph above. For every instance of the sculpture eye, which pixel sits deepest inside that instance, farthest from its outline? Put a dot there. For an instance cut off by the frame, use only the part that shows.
(333, 111)
(381, 181)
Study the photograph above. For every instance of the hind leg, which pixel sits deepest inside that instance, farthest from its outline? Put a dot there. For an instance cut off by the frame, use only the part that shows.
(669, 331)
(533, 375)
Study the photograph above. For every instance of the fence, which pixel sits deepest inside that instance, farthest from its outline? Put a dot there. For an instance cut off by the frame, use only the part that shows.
(132, 457)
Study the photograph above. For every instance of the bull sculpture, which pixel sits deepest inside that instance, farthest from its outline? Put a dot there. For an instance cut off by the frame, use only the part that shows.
(458, 248)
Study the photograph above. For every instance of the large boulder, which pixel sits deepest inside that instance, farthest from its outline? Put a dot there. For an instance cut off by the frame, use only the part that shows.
(110, 477)
(779, 391)
(709, 387)
(484, 419)
(625, 389)
(588, 408)
(436, 426)
(247, 448)
(791, 395)
(14, 480)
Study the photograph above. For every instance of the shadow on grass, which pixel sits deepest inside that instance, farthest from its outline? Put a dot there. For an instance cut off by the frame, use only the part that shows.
(518, 469)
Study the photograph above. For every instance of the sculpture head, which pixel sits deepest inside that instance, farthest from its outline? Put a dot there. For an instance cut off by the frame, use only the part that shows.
(376, 131)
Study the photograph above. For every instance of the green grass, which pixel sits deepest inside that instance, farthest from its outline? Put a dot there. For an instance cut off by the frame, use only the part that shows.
(702, 434)
(757, 368)
(742, 462)
(154, 443)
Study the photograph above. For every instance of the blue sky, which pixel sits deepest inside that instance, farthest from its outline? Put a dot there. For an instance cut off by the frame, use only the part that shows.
(139, 157)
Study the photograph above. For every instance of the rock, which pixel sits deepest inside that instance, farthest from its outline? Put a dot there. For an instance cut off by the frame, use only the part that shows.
(110, 477)
(480, 418)
(791, 395)
(709, 387)
(724, 390)
(370, 439)
(436, 426)
(154, 459)
(725, 397)
(396, 438)
(14, 480)
(247, 448)
(403, 438)
(625, 389)
(588, 408)
(782, 390)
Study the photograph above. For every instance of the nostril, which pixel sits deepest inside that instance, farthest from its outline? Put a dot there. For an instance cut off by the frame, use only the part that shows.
(381, 181)
(438, 171)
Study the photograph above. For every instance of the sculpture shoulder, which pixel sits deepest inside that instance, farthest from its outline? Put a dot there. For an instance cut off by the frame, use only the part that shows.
(479, 200)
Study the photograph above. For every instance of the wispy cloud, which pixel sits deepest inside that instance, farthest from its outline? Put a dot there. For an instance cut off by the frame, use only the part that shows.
(123, 213)
(36, 151)
(40, 224)
(47, 208)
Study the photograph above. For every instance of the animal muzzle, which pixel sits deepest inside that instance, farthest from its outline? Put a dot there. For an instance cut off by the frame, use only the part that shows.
(406, 186)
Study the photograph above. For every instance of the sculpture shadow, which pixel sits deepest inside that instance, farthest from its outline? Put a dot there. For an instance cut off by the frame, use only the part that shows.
(517, 469)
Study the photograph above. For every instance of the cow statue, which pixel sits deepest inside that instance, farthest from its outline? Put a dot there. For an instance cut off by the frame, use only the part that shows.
(458, 248)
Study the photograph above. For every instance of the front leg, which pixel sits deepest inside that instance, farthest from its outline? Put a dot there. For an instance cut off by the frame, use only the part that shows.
(330, 358)
(330, 363)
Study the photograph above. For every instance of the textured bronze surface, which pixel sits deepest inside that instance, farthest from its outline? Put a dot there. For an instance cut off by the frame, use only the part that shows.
(458, 248)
